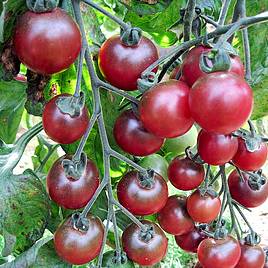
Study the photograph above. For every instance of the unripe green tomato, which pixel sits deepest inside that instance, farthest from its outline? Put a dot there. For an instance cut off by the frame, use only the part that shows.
(107, 261)
(179, 144)
(156, 162)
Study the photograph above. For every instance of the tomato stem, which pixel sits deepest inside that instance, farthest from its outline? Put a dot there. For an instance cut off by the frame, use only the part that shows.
(224, 11)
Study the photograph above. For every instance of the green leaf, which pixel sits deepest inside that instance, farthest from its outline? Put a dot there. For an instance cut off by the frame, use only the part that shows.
(12, 100)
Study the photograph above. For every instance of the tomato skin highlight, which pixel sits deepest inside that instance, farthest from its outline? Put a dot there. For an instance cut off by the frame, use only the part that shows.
(70, 193)
(184, 174)
(220, 102)
(133, 138)
(203, 209)
(216, 149)
(164, 109)
(47, 43)
(122, 65)
(191, 70)
(221, 253)
(242, 193)
(141, 252)
(250, 161)
(138, 199)
(173, 218)
(79, 247)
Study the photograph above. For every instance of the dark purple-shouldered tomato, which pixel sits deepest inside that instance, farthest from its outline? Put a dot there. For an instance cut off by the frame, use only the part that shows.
(133, 138)
(164, 109)
(216, 149)
(68, 192)
(185, 174)
(190, 241)
(220, 253)
(122, 65)
(48, 42)
(244, 194)
(174, 218)
(144, 252)
(79, 247)
(247, 160)
(221, 102)
(203, 208)
(251, 257)
(139, 199)
(191, 69)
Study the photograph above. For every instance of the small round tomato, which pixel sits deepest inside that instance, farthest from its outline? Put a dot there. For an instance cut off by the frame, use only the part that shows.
(68, 192)
(243, 193)
(203, 208)
(216, 149)
(142, 250)
(131, 136)
(139, 198)
(173, 218)
(185, 174)
(190, 241)
(48, 42)
(164, 109)
(250, 161)
(79, 247)
(251, 257)
(122, 65)
(221, 253)
(191, 69)
(62, 127)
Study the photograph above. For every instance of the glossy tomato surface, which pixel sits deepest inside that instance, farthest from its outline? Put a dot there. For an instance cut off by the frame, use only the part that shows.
(220, 102)
(221, 253)
(185, 174)
(251, 257)
(133, 138)
(68, 192)
(190, 241)
(48, 42)
(164, 109)
(61, 127)
(203, 208)
(216, 149)
(173, 218)
(191, 70)
(139, 199)
(79, 247)
(122, 65)
(250, 161)
(244, 194)
(144, 252)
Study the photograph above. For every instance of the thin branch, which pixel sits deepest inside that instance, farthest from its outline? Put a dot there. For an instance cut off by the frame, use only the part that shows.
(80, 71)
(188, 19)
(209, 20)
(224, 11)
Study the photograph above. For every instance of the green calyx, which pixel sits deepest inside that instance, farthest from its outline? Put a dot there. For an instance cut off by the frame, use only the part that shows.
(147, 180)
(131, 36)
(40, 6)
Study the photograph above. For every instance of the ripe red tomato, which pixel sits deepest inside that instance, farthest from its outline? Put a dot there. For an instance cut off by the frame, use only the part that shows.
(144, 252)
(122, 65)
(203, 209)
(221, 102)
(63, 128)
(242, 193)
(47, 43)
(216, 149)
(191, 69)
(190, 241)
(68, 192)
(139, 199)
(131, 136)
(250, 161)
(79, 247)
(185, 174)
(164, 109)
(173, 218)
(221, 253)
(251, 257)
